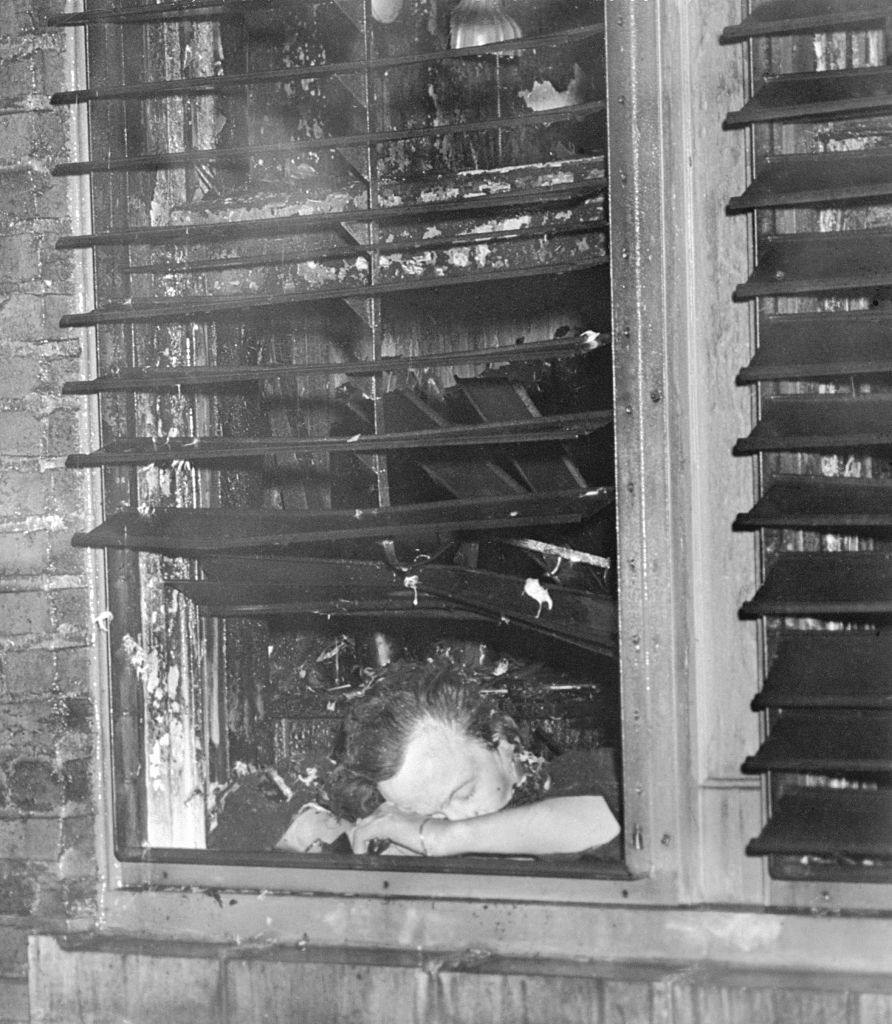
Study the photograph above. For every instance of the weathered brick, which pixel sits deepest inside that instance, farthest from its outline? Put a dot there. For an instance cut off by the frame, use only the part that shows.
(22, 316)
(24, 612)
(40, 135)
(18, 195)
(13, 952)
(78, 834)
(19, 257)
(14, 1002)
(26, 17)
(25, 492)
(18, 888)
(77, 778)
(74, 669)
(20, 434)
(30, 838)
(71, 607)
(23, 554)
(63, 431)
(27, 672)
(21, 374)
(35, 785)
(63, 557)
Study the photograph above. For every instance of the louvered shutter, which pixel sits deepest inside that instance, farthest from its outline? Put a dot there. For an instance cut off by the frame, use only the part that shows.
(822, 138)
(240, 299)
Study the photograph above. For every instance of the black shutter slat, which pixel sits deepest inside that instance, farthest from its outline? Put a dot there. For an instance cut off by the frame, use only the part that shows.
(151, 379)
(836, 669)
(819, 95)
(187, 532)
(831, 742)
(836, 584)
(209, 308)
(820, 423)
(168, 160)
(201, 85)
(277, 227)
(852, 823)
(844, 504)
(787, 17)
(143, 451)
(803, 264)
(181, 10)
(813, 345)
(802, 178)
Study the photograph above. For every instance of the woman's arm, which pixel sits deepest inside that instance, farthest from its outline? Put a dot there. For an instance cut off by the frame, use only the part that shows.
(564, 824)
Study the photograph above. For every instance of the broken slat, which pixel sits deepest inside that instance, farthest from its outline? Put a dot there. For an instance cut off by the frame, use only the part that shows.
(794, 346)
(209, 308)
(845, 823)
(180, 10)
(828, 261)
(797, 179)
(142, 451)
(200, 85)
(831, 741)
(189, 532)
(788, 17)
(574, 615)
(817, 95)
(186, 377)
(829, 669)
(820, 423)
(294, 224)
(496, 400)
(407, 413)
(836, 584)
(167, 160)
(841, 504)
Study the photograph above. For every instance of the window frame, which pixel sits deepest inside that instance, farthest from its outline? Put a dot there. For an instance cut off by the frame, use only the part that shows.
(664, 822)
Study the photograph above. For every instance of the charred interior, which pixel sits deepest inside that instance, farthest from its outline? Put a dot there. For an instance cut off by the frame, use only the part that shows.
(354, 373)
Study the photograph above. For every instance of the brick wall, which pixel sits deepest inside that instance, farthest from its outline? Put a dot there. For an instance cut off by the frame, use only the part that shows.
(47, 866)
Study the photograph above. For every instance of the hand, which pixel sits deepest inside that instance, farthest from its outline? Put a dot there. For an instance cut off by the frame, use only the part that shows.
(389, 822)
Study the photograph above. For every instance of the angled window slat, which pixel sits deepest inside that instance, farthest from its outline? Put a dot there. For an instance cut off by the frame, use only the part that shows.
(813, 178)
(820, 423)
(181, 10)
(166, 161)
(803, 263)
(837, 584)
(142, 451)
(836, 669)
(208, 308)
(849, 823)
(798, 346)
(788, 17)
(150, 379)
(188, 532)
(843, 504)
(818, 95)
(829, 741)
(202, 85)
(277, 227)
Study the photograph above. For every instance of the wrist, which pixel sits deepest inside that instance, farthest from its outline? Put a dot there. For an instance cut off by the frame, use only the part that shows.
(432, 834)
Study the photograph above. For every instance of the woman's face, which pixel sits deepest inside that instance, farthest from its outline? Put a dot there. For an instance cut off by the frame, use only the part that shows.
(446, 771)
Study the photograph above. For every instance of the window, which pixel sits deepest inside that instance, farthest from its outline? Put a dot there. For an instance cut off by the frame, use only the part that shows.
(343, 265)
(821, 194)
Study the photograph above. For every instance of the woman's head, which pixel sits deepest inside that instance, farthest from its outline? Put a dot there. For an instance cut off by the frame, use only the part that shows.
(424, 738)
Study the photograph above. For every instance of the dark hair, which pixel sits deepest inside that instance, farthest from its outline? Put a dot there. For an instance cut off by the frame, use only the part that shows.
(380, 724)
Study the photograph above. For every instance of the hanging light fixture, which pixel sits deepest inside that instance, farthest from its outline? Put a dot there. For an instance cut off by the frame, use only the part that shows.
(478, 22)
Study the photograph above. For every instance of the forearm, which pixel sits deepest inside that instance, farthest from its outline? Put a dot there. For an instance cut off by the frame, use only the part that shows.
(567, 824)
